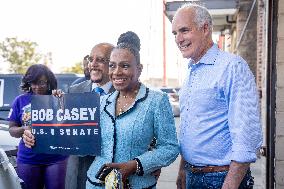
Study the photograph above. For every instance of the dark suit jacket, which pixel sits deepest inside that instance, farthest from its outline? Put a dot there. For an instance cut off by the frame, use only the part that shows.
(79, 80)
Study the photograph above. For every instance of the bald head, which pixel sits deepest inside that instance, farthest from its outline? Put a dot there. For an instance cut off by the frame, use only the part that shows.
(107, 47)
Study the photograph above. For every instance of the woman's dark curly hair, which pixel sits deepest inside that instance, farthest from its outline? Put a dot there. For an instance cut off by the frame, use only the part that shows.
(130, 41)
(34, 73)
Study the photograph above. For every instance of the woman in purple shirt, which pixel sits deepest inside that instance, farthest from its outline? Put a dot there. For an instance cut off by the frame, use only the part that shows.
(36, 170)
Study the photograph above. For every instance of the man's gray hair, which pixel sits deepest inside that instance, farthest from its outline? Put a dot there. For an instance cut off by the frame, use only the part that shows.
(202, 14)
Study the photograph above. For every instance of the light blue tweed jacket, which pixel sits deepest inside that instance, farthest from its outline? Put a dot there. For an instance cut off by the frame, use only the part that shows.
(129, 135)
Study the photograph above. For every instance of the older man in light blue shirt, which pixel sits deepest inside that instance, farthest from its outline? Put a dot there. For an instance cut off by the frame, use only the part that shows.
(220, 121)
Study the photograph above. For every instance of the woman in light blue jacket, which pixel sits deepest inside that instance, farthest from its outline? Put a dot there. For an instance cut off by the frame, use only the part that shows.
(131, 118)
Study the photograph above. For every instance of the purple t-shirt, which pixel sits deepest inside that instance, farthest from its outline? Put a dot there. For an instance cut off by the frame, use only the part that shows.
(21, 114)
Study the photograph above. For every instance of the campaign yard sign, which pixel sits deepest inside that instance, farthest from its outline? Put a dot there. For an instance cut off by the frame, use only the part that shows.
(66, 125)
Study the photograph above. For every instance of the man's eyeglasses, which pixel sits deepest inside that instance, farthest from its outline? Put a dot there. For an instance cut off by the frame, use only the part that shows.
(99, 60)
(40, 83)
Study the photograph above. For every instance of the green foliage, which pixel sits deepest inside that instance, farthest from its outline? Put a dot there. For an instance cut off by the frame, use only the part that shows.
(77, 68)
(20, 54)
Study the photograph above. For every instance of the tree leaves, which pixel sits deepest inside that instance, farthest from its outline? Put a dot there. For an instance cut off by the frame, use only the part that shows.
(20, 54)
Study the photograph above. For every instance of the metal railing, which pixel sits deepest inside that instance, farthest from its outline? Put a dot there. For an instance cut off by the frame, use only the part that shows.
(8, 175)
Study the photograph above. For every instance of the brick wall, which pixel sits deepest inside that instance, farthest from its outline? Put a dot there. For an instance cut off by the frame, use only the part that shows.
(261, 59)
(247, 46)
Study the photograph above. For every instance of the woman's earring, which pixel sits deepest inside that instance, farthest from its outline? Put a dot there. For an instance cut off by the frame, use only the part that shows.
(30, 89)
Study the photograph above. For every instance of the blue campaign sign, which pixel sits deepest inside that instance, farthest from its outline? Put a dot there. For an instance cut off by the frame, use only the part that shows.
(66, 125)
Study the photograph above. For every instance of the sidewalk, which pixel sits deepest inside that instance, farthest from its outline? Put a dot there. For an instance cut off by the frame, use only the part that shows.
(168, 176)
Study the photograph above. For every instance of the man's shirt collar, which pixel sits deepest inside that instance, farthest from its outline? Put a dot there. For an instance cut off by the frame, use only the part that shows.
(209, 58)
(106, 87)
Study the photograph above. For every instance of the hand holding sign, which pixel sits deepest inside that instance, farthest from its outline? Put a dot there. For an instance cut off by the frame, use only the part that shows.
(28, 138)
(57, 93)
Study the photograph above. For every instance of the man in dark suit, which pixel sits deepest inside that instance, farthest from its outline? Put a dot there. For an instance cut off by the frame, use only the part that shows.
(99, 82)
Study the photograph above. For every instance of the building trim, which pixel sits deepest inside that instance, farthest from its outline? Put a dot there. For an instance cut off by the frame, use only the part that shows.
(271, 92)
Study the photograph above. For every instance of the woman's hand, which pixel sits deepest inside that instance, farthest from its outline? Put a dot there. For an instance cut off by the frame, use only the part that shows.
(28, 138)
(57, 93)
(126, 168)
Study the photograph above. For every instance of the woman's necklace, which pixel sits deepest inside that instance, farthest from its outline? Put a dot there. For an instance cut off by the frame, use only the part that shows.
(124, 101)
(124, 104)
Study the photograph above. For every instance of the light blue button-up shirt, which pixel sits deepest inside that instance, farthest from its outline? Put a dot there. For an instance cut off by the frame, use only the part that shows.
(220, 118)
